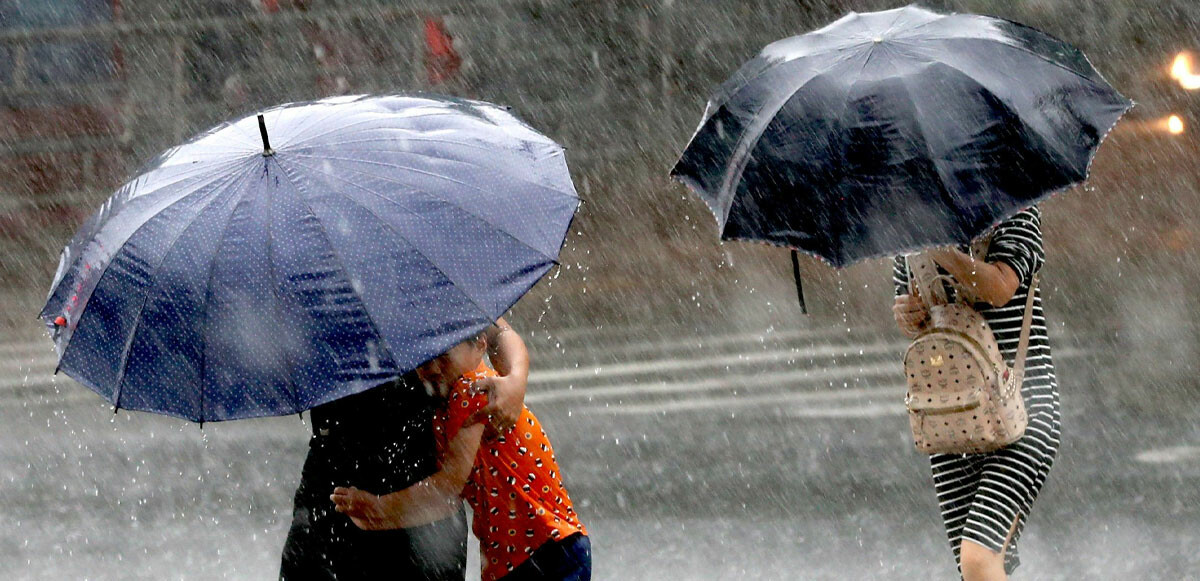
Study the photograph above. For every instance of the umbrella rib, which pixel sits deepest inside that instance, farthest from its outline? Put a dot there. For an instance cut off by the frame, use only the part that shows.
(177, 179)
(891, 27)
(80, 237)
(432, 195)
(941, 18)
(1057, 64)
(313, 120)
(187, 173)
(434, 175)
(1019, 48)
(425, 139)
(742, 153)
(405, 238)
(746, 82)
(291, 364)
(295, 139)
(379, 139)
(212, 268)
(841, 119)
(933, 159)
(252, 139)
(439, 176)
(104, 270)
(342, 264)
(137, 325)
(1007, 104)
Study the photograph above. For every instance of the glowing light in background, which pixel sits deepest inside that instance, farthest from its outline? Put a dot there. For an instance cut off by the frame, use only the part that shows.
(1175, 125)
(1181, 70)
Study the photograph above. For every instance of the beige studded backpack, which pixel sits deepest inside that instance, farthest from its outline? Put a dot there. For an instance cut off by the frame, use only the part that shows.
(962, 396)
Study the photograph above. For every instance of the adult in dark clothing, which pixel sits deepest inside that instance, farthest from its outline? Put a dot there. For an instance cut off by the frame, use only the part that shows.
(382, 440)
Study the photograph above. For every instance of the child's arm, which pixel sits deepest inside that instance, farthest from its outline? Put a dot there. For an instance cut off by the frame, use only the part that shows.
(427, 501)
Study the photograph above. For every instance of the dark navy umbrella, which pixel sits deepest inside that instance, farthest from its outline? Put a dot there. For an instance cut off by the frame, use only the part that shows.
(893, 131)
(236, 278)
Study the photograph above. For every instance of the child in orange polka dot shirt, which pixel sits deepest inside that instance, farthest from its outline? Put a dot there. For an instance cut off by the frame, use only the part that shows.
(526, 525)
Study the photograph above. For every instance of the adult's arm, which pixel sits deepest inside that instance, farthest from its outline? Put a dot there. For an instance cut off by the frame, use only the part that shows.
(1014, 256)
(427, 501)
(506, 392)
(994, 282)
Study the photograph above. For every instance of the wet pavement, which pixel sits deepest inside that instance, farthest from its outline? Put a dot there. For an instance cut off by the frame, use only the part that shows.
(778, 455)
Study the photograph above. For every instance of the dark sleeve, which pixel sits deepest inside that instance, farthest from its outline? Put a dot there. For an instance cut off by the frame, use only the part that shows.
(900, 275)
(1018, 243)
(381, 439)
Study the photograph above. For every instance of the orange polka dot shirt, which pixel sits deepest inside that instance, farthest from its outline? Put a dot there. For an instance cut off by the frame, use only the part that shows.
(515, 489)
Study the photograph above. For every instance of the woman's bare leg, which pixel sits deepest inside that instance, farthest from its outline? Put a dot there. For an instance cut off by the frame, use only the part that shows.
(980, 563)
(985, 564)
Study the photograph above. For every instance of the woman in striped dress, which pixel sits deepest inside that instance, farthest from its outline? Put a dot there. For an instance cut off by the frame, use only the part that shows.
(986, 498)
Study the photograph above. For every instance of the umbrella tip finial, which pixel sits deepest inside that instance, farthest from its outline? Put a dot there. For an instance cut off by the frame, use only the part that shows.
(262, 130)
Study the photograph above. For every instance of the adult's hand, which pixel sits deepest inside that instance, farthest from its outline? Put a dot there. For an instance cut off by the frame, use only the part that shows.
(363, 508)
(506, 393)
(910, 313)
(506, 399)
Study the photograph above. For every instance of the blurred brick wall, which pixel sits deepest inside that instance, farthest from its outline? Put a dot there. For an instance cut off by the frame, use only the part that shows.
(622, 84)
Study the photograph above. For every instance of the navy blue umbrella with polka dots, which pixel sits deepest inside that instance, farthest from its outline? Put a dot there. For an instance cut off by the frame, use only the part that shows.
(285, 260)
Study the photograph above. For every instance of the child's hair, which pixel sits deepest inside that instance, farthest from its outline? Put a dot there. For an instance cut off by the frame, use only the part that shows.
(480, 337)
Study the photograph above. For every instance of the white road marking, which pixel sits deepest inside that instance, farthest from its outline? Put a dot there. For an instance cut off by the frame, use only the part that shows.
(871, 410)
(844, 372)
(34, 374)
(678, 363)
(704, 342)
(728, 402)
(1169, 455)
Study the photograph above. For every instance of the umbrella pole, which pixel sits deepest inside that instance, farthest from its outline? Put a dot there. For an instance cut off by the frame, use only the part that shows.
(799, 287)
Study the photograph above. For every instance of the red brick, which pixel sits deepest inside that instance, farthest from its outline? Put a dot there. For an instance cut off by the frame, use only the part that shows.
(110, 168)
(31, 222)
(59, 121)
(41, 173)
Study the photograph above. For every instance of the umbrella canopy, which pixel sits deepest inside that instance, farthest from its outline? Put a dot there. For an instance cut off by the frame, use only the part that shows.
(236, 278)
(893, 131)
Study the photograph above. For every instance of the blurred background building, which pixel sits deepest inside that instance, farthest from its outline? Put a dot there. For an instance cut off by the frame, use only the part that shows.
(91, 89)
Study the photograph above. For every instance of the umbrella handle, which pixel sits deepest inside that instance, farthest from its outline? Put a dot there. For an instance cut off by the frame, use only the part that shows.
(799, 287)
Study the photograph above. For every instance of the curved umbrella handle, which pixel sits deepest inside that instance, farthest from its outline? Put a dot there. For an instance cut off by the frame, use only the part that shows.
(799, 287)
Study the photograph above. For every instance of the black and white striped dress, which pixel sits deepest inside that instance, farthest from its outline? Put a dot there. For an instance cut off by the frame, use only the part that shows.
(983, 497)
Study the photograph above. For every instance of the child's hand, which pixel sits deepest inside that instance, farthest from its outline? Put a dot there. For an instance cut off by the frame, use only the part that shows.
(362, 507)
(506, 399)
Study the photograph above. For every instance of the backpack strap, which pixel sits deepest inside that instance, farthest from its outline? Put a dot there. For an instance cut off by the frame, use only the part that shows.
(923, 279)
(1023, 342)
